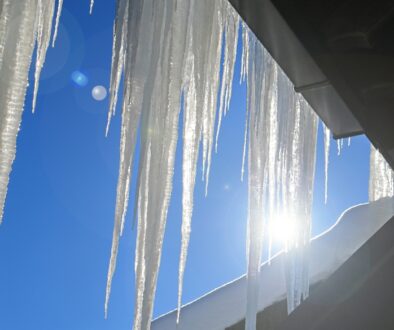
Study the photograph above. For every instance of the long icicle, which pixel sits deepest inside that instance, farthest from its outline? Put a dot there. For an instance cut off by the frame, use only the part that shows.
(152, 60)
(231, 27)
(91, 7)
(167, 52)
(191, 139)
(45, 12)
(381, 177)
(282, 150)
(58, 14)
(118, 55)
(22, 25)
(327, 139)
(244, 72)
(131, 111)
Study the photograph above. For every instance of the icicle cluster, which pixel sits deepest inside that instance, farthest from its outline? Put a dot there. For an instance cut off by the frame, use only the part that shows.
(173, 48)
(23, 24)
(166, 49)
(381, 177)
(282, 149)
(170, 51)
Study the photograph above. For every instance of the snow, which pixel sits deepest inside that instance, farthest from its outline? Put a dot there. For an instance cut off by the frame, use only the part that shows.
(225, 306)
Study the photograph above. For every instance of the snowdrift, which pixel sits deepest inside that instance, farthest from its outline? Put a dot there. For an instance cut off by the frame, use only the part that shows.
(226, 305)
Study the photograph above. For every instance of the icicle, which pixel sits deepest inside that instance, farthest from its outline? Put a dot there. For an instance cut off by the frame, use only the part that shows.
(58, 14)
(245, 143)
(262, 107)
(211, 68)
(244, 72)
(118, 55)
(339, 146)
(231, 23)
(348, 142)
(164, 82)
(20, 23)
(255, 180)
(91, 7)
(131, 110)
(196, 86)
(245, 52)
(282, 149)
(165, 51)
(327, 139)
(191, 133)
(381, 177)
(301, 197)
(45, 12)
(5, 15)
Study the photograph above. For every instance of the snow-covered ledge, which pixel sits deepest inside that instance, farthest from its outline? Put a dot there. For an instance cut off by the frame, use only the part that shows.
(225, 306)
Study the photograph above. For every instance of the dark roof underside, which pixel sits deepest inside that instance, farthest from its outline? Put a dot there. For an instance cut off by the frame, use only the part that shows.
(339, 55)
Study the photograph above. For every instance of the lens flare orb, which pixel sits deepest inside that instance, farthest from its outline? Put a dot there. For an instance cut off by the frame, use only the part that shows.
(79, 78)
(99, 93)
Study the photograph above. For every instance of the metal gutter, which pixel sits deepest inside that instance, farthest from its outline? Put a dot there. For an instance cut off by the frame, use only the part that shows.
(271, 29)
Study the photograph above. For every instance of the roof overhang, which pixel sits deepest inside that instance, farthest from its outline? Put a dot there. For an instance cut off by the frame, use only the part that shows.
(339, 54)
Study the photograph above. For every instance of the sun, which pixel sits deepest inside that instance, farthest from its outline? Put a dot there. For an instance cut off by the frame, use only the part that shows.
(283, 229)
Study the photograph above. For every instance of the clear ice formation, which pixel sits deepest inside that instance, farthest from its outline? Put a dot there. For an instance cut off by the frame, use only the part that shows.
(91, 7)
(381, 177)
(164, 52)
(58, 13)
(24, 26)
(170, 51)
(282, 150)
(327, 139)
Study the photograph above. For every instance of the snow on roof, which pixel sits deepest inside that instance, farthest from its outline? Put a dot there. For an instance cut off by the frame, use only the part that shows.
(225, 305)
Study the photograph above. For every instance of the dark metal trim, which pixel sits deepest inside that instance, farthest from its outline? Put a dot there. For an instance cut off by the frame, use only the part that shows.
(270, 28)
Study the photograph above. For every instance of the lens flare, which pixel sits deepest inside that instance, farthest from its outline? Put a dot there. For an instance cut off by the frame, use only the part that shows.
(99, 93)
(79, 78)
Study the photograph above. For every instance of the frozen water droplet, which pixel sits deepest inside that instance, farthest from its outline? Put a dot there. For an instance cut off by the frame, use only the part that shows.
(99, 93)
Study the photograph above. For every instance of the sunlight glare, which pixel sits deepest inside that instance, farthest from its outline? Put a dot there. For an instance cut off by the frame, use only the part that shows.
(283, 229)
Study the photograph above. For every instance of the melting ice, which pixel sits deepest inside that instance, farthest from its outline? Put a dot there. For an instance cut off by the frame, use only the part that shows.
(166, 49)
(173, 48)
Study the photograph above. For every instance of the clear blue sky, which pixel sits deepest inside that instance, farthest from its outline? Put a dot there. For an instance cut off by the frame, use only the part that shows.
(56, 236)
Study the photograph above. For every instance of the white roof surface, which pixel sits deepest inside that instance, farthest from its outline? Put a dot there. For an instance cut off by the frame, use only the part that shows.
(225, 305)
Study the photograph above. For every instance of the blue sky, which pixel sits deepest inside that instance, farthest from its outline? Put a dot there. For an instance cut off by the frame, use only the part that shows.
(56, 236)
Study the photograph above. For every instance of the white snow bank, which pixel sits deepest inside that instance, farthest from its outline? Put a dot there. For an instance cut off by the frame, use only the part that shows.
(226, 305)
